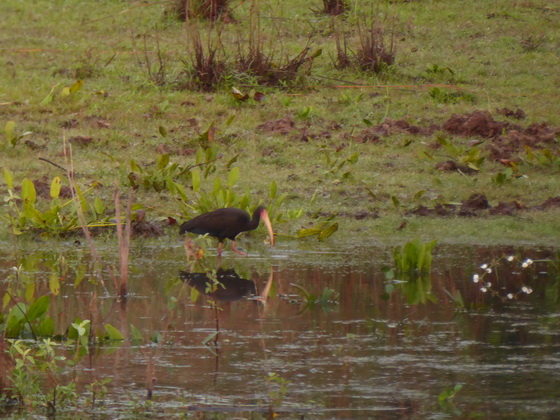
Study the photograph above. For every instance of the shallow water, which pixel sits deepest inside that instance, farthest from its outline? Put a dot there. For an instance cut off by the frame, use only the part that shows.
(366, 356)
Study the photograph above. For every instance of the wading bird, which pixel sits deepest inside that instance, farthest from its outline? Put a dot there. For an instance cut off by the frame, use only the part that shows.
(227, 223)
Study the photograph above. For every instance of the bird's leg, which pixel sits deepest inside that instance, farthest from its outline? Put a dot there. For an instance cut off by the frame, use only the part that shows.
(220, 248)
(234, 249)
(189, 250)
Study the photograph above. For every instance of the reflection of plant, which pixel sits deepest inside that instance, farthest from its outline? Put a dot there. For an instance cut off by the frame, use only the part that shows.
(449, 393)
(327, 296)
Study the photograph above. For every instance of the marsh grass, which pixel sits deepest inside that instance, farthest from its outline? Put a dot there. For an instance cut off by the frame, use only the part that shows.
(486, 55)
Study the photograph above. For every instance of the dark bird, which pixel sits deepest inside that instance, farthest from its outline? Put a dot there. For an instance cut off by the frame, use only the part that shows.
(227, 223)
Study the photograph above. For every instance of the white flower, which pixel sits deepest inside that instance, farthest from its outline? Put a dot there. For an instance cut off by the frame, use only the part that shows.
(484, 266)
(483, 289)
(510, 258)
(510, 295)
(488, 270)
(488, 284)
(527, 290)
(475, 278)
(527, 263)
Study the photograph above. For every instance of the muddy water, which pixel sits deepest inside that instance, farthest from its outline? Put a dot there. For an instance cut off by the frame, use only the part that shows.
(372, 354)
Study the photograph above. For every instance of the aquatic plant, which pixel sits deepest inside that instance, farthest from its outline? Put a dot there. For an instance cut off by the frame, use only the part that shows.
(414, 257)
(488, 276)
(411, 272)
(25, 213)
(34, 364)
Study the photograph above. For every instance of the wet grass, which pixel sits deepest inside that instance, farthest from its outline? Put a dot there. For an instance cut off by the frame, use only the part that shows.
(497, 54)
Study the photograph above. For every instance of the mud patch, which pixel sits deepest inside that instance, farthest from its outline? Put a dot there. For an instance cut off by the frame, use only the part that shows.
(81, 140)
(477, 205)
(507, 138)
(479, 123)
(518, 114)
(282, 126)
(506, 209)
(534, 136)
(390, 127)
(552, 202)
(451, 166)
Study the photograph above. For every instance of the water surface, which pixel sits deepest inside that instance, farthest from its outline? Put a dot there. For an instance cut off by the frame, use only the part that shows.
(370, 354)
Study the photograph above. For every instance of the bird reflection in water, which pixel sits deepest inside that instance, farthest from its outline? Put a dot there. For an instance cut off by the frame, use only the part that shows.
(228, 286)
(231, 285)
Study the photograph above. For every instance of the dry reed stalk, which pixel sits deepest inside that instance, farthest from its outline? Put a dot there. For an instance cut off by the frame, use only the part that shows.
(68, 158)
(124, 241)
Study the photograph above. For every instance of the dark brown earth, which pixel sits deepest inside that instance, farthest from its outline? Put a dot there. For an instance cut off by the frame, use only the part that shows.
(390, 127)
(282, 126)
(477, 205)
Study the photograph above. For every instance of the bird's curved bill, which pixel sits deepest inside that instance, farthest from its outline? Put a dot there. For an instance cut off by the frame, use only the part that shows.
(266, 220)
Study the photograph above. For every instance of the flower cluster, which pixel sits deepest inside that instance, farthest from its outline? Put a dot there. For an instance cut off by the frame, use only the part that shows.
(485, 286)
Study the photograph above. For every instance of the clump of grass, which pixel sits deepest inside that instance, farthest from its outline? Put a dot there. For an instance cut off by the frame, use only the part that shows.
(334, 7)
(262, 63)
(206, 9)
(155, 68)
(377, 49)
(208, 64)
(375, 53)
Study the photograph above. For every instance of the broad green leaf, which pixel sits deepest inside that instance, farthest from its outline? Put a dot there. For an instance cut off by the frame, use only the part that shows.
(112, 333)
(194, 295)
(98, 206)
(54, 284)
(230, 120)
(134, 166)
(233, 176)
(302, 233)
(217, 186)
(9, 179)
(195, 179)
(325, 233)
(76, 86)
(81, 198)
(38, 308)
(163, 161)
(49, 98)
(10, 132)
(162, 131)
(65, 91)
(45, 328)
(28, 192)
(232, 161)
(181, 192)
(30, 291)
(135, 333)
(419, 194)
(6, 300)
(55, 187)
(273, 189)
(209, 338)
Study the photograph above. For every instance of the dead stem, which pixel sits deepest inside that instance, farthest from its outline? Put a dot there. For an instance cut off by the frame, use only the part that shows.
(124, 241)
(68, 158)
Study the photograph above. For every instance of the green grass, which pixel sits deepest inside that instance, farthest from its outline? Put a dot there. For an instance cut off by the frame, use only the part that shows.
(502, 53)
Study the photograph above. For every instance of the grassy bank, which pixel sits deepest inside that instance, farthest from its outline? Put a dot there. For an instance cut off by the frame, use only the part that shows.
(369, 148)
